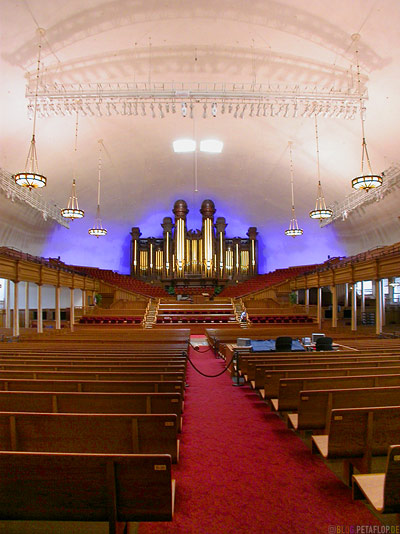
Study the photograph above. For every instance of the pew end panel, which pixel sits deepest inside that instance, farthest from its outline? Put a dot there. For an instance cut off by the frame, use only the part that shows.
(86, 487)
(381, 490)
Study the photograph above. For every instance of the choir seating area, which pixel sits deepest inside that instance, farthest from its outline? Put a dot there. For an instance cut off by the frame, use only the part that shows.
(125, 282)
(113, 319)
(262, 281)
(265, 318)
(99, 414)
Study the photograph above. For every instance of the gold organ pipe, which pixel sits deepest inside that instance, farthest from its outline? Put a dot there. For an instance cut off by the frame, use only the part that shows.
(167, 252)
(253, 254)
(135, 254)
(151, 256)
(237, 257)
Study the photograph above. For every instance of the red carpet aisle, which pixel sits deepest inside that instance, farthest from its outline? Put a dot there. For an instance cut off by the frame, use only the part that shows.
(242, 472)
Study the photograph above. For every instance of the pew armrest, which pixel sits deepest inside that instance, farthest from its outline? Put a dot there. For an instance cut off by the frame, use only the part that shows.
(371, 488)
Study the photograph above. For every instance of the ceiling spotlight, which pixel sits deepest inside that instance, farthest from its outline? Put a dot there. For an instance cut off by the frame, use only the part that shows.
(258, 110)
(223, 108)
(143, 109)
(243, 110)
(184, 145)
(152, 110)
(230, 108)
(204, 110)
(212, 146)
(214, 110)
(236, 111)
(167, 107)
(161, 111)
(173, 107)
(251, 110)
(135, 112)
(184, 109)
(191, 110)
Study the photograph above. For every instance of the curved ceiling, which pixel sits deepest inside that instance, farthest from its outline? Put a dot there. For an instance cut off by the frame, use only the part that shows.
(281, 45)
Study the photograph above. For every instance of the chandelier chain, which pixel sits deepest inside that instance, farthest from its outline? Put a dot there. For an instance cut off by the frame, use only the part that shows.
(362, 117)
(291, 177)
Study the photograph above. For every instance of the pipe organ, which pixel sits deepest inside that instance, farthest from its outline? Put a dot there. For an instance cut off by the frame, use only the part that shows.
(194, 254)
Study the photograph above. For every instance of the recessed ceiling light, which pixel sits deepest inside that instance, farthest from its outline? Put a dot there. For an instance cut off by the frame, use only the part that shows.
(184, 145)
(211, 145)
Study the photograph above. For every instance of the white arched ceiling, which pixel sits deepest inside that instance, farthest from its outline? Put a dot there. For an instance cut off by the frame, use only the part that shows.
(289, 42)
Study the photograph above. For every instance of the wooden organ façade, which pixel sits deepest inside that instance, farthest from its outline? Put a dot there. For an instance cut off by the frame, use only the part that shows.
(183, 254)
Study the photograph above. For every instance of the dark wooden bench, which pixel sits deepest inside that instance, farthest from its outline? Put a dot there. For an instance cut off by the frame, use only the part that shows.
(357, 434)
(381, 490)
(95, 433)
(262, 370)
(272, 378)
(315, 406)
(290, 388)
(92, 386)
(85, 487)
(114, 403)
(93, 375)
(94, 367)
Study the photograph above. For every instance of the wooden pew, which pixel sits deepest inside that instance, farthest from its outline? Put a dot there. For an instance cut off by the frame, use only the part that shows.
(91, 375)
(357, 434)
(94, 367)
(381, 490)
(114, 403)
(92, 386)
(291, 388)
(247, 364)
(95, 433)
(315, 406)
(272, 378)
(85, 487)
(261, 371)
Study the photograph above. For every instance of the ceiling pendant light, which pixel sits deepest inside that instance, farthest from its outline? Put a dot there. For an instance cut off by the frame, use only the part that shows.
(371, 180)
(293, 229)
(72, 210)
(98, 229)
(321, 211)
(31, 178)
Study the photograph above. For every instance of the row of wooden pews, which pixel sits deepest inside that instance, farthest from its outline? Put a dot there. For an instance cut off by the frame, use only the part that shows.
(348, 400)
(89, 431)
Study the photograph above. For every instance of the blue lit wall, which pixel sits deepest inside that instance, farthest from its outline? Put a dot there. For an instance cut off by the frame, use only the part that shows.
(75, 246)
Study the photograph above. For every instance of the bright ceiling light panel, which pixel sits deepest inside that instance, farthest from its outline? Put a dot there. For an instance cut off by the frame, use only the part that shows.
(211, 145)
(184, 145)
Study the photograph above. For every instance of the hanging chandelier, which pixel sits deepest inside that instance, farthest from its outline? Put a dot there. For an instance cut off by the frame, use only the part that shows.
(371, 180)
(31, 178)
(72, 210)
(321, 211)
(98, 229)
(293, 229)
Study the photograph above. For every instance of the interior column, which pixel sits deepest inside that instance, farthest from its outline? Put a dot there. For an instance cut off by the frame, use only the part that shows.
(71, 310)
(334, 306)
(354, 308)
(26, 304)
(8, 300)
(378, 307)
(319, 307)
(16, 311)
(39, 309)
(58, 311)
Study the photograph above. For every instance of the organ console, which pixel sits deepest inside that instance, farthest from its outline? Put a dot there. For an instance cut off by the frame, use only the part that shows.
(182, 254)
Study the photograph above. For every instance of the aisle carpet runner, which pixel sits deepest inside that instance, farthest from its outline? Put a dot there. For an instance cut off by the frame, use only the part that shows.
(241, 471)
